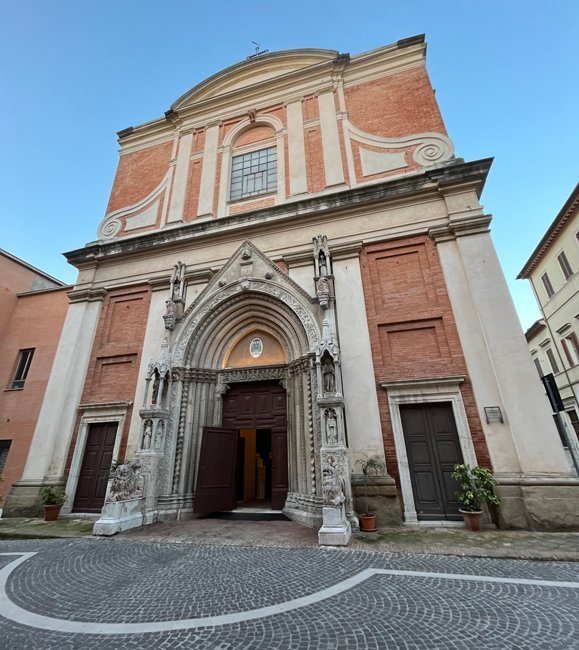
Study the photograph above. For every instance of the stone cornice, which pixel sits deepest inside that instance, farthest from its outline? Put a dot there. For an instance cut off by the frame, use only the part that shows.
(323, 207)
(423, 383)
(87, 295)
(460, 228)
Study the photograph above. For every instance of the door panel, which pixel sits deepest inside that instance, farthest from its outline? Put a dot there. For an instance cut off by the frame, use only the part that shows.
(262, 405)
(216, 488)
(433, 449)
(95, 468)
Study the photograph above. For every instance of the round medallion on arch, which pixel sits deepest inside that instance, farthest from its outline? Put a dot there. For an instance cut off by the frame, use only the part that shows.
(256, 347)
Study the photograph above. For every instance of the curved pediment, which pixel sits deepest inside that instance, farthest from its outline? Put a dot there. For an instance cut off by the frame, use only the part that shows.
(253, 71)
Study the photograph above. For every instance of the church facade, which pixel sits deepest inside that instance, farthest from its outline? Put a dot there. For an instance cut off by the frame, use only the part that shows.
(295, 273)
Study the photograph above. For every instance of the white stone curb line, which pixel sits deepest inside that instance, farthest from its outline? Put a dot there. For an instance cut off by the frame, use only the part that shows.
(15, 613)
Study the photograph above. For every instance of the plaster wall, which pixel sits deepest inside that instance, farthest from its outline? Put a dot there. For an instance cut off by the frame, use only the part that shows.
(363, 417)
(525, 409)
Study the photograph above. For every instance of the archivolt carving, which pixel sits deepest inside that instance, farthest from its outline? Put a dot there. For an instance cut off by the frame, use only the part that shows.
(268, 291)
(253, 374)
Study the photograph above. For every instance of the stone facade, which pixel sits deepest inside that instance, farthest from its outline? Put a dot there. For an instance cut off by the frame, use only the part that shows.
(307, 206)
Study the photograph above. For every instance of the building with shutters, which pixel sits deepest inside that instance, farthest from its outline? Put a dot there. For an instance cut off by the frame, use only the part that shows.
(295, 272)
(33, 306)
(552, 269)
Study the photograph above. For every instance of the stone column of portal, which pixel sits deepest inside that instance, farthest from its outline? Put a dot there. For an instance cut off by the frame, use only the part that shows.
(55, 425)
(332, 151)
(209, 171)
(296, 148)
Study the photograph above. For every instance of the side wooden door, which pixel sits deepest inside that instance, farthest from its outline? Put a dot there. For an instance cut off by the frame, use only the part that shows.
(433, 449)
(216, 488)
(95, 468)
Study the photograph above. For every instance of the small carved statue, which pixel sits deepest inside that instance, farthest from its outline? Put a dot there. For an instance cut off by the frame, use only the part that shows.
(126, 482)
(156, 382)
(333, 483)
(170, 316)
(323, 263)
(329, 373)
(323, 292)
(159, 434)
(331, 427)
(147, 434)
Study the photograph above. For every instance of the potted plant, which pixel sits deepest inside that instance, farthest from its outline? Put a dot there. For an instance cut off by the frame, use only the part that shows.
(52, 499)
(375, 465)
(476, 488)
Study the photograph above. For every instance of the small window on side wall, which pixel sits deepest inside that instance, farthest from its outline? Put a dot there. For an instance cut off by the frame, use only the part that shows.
(4, 449)
(564, 264)
(22, 368)
(547, 284)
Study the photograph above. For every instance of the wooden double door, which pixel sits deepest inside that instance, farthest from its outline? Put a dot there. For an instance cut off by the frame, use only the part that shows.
(95, 468)
(433, 448)
(261, 406)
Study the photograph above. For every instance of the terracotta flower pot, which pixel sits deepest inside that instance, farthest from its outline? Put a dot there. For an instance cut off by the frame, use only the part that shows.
(51, 512)
(368, 523)
(472, 519)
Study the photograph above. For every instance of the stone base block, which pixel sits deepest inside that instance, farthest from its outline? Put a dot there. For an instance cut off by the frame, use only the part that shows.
(303, 508)
(536, 505)
(382, 499)
(118, 516)
(24, 498)
(336, 529)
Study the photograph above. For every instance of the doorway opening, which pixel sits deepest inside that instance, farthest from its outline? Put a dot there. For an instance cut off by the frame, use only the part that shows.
(253, 472)
(244, 463)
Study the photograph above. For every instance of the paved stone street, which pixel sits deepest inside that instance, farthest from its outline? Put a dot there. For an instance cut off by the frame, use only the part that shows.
(110, 593)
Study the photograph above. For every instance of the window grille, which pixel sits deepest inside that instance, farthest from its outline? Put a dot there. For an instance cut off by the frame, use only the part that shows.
(253, 174)
(4, 449)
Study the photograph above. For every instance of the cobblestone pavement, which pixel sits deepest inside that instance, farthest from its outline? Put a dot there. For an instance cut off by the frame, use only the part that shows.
(109, 593)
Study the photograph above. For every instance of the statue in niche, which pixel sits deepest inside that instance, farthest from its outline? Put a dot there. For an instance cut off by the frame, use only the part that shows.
(323, 292)
(177, 279)
(322, 263)
(332, 481)
(159, 434)
(156, 383)
(147, 434)
(329, 374)
(170, 316)
(331, 427)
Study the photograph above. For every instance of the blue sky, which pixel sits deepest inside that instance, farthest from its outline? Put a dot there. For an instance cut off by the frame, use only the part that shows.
(72, 73)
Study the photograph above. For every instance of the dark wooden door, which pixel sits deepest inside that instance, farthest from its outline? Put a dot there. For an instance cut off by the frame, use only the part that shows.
(262, 405)
(95, 468)
(433, 449)
(216, 486)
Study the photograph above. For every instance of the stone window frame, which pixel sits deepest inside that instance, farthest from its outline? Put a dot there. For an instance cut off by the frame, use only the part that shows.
(425, 391)
(227, 154)
(547, 285)
(22, 368)
(565, 266)
(269, 162)
(93, 414)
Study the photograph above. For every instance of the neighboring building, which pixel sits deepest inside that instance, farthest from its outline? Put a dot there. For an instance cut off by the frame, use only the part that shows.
(32, 310)
(553, 270)
(294, 271)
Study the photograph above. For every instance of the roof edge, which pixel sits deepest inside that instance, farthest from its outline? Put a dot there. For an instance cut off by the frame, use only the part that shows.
(551, 233)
